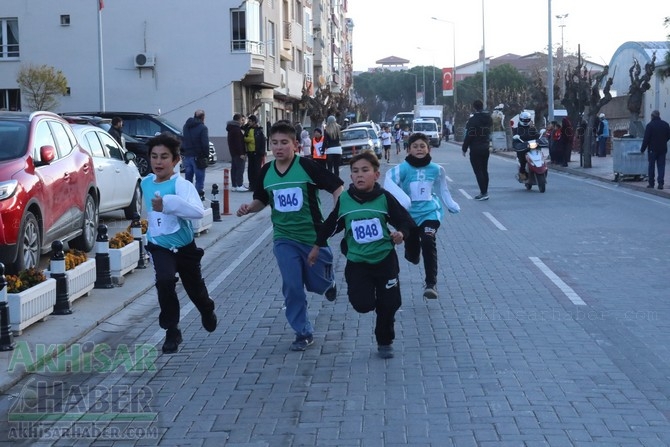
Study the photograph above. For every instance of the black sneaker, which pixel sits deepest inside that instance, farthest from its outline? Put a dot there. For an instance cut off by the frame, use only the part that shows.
(481, 197)
(209, 321)
(331, 293)
(660, 186)
(172, 340)
(301, 343)
(430, 293)
(385, 351)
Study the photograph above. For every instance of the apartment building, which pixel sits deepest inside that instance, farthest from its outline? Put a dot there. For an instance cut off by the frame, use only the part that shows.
(173, 56)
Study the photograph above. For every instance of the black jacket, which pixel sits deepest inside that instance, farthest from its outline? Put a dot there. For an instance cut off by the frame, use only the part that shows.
(116, 134)
(195, 139)
(477, 132)
(656, 136)
(235, 139)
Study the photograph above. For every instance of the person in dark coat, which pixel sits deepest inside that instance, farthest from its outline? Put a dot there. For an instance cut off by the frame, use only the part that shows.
(477, 132)
(567, 138)
(116, 130)
(238, 152)
(195, 150)
(656, 136)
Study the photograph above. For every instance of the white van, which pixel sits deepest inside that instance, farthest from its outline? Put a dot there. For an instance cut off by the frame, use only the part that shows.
(427, 126)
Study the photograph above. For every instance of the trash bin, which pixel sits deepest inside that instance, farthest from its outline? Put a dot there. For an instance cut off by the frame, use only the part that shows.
(627, 161)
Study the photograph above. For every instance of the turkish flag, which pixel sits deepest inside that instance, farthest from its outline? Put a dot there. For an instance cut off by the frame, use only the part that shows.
(447, 82)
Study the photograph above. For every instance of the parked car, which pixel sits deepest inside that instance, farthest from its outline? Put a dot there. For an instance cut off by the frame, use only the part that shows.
(117, 178)
(376, 143)
(367, 124)
(143, 126)
(47, 188)
(353, 141)
(135, 146)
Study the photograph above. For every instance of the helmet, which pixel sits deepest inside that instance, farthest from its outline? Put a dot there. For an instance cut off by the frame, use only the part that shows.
(524, 119)
(601, 116)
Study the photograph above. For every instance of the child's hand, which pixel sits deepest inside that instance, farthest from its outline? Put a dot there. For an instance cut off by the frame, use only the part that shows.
(157, 202)
(313, 255)
(397, 237)
(243, 210)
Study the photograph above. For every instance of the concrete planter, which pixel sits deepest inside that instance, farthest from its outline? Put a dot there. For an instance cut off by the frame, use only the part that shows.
(32, 305)
(204, 224)
(80, 280)
(124, 260)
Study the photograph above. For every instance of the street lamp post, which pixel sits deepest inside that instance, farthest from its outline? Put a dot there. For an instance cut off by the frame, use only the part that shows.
(453, 38)
(484, 56)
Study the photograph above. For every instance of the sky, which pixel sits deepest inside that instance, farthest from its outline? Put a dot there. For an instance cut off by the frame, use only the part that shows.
(385, 28)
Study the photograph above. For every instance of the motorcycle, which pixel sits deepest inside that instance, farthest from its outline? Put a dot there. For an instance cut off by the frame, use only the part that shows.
(536, 163)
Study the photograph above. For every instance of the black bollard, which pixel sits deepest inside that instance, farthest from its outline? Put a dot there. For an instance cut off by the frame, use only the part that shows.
(216, 210)
(103, 271)
(6, 336)
(136, 232)
(57, 268)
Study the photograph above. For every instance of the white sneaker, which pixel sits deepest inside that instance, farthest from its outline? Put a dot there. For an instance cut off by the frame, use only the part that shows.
(233, 188)
(242, 189)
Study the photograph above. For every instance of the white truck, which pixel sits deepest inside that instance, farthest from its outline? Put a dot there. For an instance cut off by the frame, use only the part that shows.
(434, 112)
(428, 127)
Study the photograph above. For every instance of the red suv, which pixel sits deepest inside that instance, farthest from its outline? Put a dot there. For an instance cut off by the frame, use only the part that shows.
(47, 188)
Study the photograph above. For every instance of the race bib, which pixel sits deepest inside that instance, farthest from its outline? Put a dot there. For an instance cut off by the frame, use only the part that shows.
(161, 224)
(367, 230)
(288, 200)
(421, 191)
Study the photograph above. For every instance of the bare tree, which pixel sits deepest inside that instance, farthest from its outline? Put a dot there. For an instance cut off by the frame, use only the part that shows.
(638, 85)
(596, 102)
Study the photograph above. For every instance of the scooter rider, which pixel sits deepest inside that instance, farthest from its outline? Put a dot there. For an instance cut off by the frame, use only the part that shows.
(525, 131)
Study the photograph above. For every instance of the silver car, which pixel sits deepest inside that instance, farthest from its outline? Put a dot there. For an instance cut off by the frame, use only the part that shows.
(355, 140)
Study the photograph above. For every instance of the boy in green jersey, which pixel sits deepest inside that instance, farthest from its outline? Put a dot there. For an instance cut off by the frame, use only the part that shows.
(290, 185)
(364, 211)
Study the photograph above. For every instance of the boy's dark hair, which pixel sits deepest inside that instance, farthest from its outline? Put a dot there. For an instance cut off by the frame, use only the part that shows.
(366, 155)
(116, 120)
(167, 139)
(478, 105)
(283, 127)
(252, 118)
(419, 136)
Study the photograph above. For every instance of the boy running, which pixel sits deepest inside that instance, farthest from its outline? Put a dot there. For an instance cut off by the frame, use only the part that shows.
(386, 143)
(364, 211)
(290, 185)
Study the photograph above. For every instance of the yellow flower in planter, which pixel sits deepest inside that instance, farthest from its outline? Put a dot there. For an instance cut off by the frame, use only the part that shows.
(145, 226)
(121, 239)
(24, 280)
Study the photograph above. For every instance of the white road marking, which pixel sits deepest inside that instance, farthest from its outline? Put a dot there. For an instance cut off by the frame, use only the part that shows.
(465, 194)
(495, 221)
(566, 289)
(449, 179)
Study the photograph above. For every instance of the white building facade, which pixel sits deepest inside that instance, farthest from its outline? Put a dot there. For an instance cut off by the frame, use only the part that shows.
(172, 56)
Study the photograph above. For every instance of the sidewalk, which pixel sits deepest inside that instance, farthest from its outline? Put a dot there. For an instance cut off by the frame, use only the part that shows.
(602, 168)
(91, 311)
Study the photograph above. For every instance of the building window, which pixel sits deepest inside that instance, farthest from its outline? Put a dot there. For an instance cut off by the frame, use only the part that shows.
(272, 34)
(9, 38)
(10, 99)
(65, 20)
(238, 28)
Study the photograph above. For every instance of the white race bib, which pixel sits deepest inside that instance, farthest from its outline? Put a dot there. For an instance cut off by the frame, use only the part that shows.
(288, 200)
(367, 230)
(161, 224)
(421, 191)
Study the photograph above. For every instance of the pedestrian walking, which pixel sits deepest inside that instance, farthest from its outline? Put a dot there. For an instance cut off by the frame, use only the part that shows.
(332, 145)
(397, 131)
(290, 185)
(254, 142)
(567, 140)
(364, 212)
(171, 202)
(386, 138)
(656, 136)
(477, 132)
(421, 186)
(238, 152)
(195, 150)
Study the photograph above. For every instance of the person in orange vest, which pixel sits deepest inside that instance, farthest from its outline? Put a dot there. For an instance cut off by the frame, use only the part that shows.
(318, 151)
